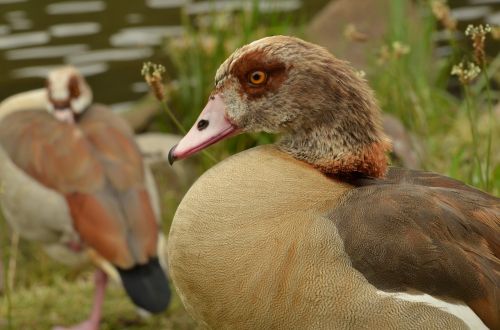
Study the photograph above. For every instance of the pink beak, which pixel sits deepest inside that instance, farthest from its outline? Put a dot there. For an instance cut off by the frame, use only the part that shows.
(211, 126)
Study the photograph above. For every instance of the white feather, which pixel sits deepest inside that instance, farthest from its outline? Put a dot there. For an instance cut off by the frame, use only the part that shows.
(461, 311)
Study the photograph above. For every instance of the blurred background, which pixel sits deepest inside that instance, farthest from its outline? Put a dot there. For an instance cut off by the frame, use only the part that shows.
(107, 40)
(441, 116)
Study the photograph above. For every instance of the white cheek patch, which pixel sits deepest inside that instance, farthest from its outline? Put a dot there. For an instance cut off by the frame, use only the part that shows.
(81, 103)
(58, 85)
(59, 93)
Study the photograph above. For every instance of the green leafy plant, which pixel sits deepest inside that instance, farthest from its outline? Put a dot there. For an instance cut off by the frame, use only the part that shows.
(452, 118)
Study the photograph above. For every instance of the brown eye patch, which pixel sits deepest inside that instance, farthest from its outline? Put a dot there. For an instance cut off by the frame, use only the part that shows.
(257, 78)
(74, 87)
(258, 74)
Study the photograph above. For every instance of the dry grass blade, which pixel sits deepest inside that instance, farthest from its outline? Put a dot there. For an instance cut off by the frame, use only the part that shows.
(14, 249)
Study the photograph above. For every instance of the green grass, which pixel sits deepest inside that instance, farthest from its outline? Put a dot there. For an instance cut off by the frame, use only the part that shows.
(458, 132)
(412, 86)
(69, 302)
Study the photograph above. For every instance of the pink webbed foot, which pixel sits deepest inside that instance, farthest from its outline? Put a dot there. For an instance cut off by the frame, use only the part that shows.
(92, 323)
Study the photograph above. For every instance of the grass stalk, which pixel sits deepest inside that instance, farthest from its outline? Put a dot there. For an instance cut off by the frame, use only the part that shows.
(14, 248)
(472, 126)
(172, 117)
(490, 127)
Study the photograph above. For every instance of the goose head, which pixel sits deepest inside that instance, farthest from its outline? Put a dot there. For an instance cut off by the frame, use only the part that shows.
(325, 113)
(68, 94)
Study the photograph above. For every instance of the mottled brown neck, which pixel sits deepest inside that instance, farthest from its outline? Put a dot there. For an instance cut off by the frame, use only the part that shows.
(343, 148)
(368, 160)
(342, 134)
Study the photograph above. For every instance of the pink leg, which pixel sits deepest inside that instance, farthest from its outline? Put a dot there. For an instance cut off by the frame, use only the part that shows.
(92, 323)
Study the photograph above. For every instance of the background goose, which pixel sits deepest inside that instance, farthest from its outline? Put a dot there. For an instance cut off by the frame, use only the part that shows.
(74, 180)
(316, 231)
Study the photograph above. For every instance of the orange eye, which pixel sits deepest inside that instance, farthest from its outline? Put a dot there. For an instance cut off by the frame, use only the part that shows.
(257, 77)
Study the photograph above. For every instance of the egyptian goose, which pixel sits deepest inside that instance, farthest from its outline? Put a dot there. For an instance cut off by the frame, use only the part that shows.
(74, 180)
(316, 232)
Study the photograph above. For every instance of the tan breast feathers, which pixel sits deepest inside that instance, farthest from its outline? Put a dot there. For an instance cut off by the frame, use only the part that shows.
(246, 257)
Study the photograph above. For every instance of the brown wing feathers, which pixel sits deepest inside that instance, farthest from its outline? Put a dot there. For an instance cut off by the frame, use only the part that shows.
(98, 168)
(418, 231)
(95, 220)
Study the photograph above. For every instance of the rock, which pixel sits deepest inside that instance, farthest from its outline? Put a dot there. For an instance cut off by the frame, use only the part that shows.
(369, 17)
(155, 147)
(352, 30)
(141, 113)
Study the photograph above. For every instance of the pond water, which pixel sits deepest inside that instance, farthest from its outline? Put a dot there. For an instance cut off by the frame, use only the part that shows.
(109, 40)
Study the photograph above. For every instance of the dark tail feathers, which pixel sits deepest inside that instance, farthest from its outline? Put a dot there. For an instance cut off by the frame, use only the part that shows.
(147, 286)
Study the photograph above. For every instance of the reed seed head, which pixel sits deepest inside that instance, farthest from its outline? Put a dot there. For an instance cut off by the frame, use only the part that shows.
(466, 72)
(153, 74)
(478, 36)
(442, 12)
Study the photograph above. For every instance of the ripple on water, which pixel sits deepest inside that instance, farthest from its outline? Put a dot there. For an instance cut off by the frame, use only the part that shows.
(445, 35)
(4, 29)
(7, 2)
(121, 106)
(105, 55)
(15, 14)
(279, 6)
(24, 39)
(17, 20)
(443, 51)
(42, 71)
(493, 19)
(470, 13)
(145, 35)
(165, 3)
(21, 24)
(139, 87)
(134, 18)
(205, 7)
(74, 29)
(484, 2)
(44, 52)
(75, 7)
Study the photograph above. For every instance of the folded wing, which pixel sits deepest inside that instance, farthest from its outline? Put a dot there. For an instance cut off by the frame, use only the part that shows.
(422, 231)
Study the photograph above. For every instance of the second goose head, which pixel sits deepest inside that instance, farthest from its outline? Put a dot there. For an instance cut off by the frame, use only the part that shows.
(68, 94)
